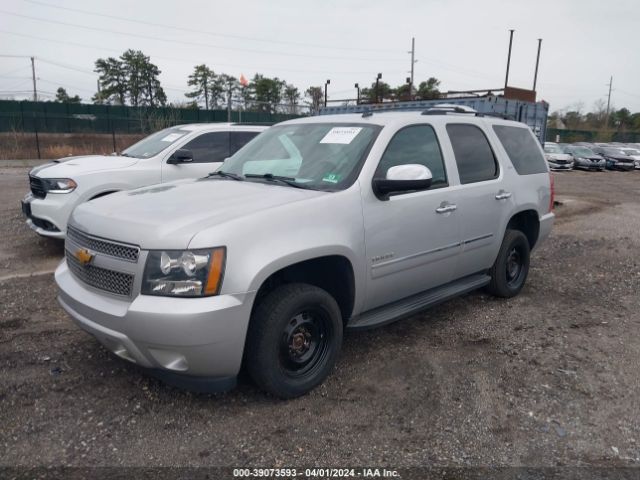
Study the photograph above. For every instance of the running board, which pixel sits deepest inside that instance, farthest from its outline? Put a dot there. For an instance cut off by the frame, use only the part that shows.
(410, 305)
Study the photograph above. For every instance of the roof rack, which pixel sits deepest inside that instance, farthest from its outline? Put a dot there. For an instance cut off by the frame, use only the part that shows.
(448, 108)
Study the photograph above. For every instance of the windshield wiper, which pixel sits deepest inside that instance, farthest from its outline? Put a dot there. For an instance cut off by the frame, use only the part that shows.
(219, 173)
(277, 178)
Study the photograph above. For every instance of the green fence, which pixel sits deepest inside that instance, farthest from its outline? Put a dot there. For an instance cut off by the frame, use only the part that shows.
(24, 116)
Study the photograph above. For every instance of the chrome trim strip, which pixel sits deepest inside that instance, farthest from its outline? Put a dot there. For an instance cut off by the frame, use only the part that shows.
(416, 255)
(476, 239)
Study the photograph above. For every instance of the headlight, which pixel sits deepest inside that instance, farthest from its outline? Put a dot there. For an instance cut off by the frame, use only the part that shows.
(190, 273)
(59, 185)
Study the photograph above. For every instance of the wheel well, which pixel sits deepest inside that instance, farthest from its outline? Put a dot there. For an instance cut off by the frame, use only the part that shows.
(331, 273)
(528, 223)
(102, 194)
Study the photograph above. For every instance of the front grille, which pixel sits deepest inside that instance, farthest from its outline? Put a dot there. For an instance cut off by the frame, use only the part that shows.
(101, 278)
(117, 250)
(38, 188)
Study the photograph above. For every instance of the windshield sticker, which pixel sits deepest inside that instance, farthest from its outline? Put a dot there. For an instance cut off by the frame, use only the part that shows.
(172, 137)
(343, 135)
(332, 177)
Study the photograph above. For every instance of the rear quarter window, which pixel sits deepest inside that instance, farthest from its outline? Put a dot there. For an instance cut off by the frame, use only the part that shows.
(522, 148)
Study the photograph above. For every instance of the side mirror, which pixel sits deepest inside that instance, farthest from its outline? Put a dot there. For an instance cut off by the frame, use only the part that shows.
(182, 155)
(402, 178)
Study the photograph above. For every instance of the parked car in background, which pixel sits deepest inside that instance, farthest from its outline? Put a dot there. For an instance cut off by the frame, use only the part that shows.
(556, 157)
(633, 153)
(585, 158)
(615, 158)
(183, 151)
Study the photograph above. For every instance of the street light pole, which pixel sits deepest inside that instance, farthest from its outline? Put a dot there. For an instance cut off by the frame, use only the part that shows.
(33, 76)
(325, 91)
(377, 94)
(506, 78)
(357, 87)
(535, 75)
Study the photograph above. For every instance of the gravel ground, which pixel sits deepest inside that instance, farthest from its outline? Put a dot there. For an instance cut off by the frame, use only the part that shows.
(549, 378)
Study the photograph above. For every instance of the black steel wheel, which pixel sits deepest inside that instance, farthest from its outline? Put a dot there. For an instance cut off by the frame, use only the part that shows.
(511, 267)
(294, 339)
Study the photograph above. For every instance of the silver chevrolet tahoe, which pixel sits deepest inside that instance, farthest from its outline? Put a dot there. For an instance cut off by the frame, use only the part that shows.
(317, 225)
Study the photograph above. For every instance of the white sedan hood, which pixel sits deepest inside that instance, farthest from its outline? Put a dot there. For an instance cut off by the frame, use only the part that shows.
(72, 167)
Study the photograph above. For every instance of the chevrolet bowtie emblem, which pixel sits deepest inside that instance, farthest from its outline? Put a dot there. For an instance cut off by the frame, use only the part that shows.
(84, 256)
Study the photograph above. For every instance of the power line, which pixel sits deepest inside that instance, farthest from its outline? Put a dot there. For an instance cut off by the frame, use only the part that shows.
(204, 32)
(173, 59)
(197, 44)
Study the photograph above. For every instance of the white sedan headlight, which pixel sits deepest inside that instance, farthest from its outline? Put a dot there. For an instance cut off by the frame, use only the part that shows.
(59, 185)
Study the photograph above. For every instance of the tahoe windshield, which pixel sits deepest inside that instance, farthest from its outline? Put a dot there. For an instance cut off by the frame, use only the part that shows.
(155, 143)
(319, 156)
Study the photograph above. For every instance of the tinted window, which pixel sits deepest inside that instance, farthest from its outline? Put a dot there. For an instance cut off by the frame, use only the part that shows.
(209, 147)
(239, 140)
(473, 153)
(416, 144)
(522, 148)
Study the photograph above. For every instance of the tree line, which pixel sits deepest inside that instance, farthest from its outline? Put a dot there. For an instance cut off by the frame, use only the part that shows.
(576, 118)
(132, 79)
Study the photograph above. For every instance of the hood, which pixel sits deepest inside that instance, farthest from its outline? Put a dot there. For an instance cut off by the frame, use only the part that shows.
(620, 158)
(167, 216)
(559, 156)
(74, 166)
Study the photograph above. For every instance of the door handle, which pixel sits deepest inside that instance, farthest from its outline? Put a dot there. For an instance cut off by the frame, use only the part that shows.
(446, 208)
(502, 195)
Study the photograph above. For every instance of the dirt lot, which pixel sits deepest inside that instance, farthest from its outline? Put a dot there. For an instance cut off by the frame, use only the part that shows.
(549, 378)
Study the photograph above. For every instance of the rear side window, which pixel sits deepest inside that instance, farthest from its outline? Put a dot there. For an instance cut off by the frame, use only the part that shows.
(522, 148)
(414, 144)
(239, 140)
(209, 147)
(474, 157)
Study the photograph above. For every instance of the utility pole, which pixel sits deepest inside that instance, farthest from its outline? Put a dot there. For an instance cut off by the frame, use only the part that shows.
(377, 81)
(606, 118)
(535, 75)
(206, 94)
(325, 91)
(413, 61)
(33, 75)
(506, 78)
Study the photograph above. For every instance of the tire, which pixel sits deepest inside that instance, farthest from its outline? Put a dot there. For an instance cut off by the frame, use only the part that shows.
(294, 340)
(509, 271)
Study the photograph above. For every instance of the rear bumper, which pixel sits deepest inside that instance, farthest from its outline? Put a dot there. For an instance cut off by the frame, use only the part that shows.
(546, 223)
(184, 341)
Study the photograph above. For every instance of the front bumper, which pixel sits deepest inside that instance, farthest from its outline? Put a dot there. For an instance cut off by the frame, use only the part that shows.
(187, 340)
(590, 165)
(560, 166)
(48, 216)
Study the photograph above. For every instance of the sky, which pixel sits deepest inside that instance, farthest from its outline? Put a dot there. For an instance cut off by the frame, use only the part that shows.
(463, 43)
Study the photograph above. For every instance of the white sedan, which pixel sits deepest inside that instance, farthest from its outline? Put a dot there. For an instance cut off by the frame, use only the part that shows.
(180, 152)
